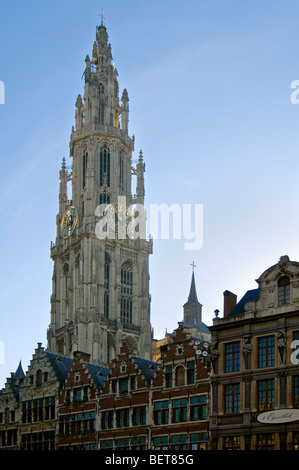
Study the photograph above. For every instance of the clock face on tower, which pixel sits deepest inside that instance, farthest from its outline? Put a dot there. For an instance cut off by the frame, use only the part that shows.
(69, 222)
(119, 219)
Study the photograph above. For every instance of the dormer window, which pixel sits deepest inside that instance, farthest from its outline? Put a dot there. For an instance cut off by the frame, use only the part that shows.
(284, 290)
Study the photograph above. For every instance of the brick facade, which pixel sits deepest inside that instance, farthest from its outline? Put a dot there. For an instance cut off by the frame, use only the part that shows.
(63, 403)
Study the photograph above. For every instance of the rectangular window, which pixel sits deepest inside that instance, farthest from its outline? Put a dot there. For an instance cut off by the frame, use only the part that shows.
(265, 441)
(191, 373)
(107, 444)
(114, 386)
(133, 382)
(161, 443)
(266, 351)
(266, 395)
(138, 443)
(232, 398)
(161, 412)
(139, 416)
(179, 410)
(168, 376)
(198, 408)
(179, 442)
(295, 440)
(123, 418)
(198, 441)
(124, 386)
(232, 357)
(232, 443)
(296, 391)
(108, 419)
(49, 408)
(77, 394)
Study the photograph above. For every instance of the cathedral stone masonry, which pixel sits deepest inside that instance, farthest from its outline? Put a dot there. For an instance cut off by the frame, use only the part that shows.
(100, 289)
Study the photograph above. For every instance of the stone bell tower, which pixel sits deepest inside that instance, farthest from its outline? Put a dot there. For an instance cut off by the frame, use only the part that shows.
(100, 292)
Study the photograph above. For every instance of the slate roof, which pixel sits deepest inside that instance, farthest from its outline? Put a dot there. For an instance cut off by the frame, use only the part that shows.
(147, 367)
(19, 373)
(250, 296)
(202, 327)
(98, 373)
(61, 365)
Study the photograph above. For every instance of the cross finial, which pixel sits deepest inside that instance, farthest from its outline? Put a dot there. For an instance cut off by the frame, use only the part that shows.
(193, 265)
(102, 17)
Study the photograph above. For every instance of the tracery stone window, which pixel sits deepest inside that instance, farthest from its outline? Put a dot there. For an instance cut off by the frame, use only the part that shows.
(102, 113)
(105, 167)
(121, 172)
(106, 286)
(84, 163)
(104, 198)
(126, 308)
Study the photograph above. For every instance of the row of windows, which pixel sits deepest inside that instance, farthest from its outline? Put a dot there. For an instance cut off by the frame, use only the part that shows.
(265, 395)
(126, 294)
(193, 441)
(134, 443)
(265, 353)
(126, 301)
(9, 416)
(179, 410)
(42, 409)
(123, 386)
(38, 441)
(104, 163)
(8, 438)
(263, 442)
(77, 423)
(76, 394)
(39, 378)
(180, 375)
(123, 418)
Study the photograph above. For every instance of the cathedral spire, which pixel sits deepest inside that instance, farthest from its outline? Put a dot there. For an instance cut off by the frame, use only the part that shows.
(192, 294)
(100, 290)
(192, 308)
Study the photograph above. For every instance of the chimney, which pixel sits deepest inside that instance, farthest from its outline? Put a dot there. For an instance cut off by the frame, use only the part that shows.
(230, 301)
(85, 357)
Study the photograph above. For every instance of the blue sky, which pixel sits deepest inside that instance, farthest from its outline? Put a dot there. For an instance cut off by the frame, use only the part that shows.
(209, 88)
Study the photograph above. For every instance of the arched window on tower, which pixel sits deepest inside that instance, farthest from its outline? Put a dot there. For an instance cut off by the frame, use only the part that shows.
(65, 288)
(84, 163)
(106, 286)
(104, 198)
(126, 305)
(105, 167)
(121, 172)
(284, 290)
(102, 113)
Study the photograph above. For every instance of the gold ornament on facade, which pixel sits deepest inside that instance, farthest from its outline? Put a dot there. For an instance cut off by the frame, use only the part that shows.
(69, 222)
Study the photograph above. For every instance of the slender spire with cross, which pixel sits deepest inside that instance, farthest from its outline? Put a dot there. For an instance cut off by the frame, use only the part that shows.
(102, 17)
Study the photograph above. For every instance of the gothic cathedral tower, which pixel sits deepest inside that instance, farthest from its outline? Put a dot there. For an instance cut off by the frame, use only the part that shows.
(100, 292)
